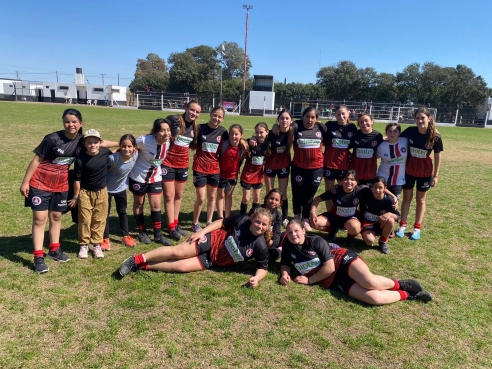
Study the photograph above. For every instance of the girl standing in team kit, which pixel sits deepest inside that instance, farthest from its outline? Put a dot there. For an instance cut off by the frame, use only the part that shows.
(316, 262)
(230, 153)
(206, 170)
(252, 174)
(146, 179)
(278, 159)
(422, 140)
(393, 153)
(175, 168)
(120, 164)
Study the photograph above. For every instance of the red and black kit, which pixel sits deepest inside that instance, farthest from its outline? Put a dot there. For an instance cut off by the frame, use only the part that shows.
(364, 159)
(253, 168)
(371, 209)
(278, 162)
(419, 163)
(308, 146)
(231, 244)
(337, 141)
(229, 160)
(175, 166)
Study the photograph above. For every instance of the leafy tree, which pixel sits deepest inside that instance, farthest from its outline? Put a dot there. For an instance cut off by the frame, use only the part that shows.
(232, 58)
(152, 73)
(338, 80)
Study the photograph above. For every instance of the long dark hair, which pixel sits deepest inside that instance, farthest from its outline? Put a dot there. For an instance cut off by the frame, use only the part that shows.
(75, 113)
(290, 132)
(431, 128)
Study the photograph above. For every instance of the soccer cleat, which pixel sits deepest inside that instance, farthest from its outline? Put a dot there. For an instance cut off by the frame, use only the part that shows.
(128, 266)
(350, 241)
(415, 234)
(196, 227)
(58, 255)
(98, 252)
(161, 239)
(84, 252)
(421, 295)
(180, 230)
(307, 226)
(175, 235)
(410, 285)
(383, 246)
(144, 238)
(105, 245)
(39, 265)
(400, 232)
(128, 241)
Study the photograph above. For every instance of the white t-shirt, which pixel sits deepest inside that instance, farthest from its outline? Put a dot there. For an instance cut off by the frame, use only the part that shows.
(147, 169)
(393, 161)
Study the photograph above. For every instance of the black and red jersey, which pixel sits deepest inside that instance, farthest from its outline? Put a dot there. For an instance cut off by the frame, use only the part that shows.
(279, 156)
(235, 243)
(208, 141)
(364, 159)
(345, 204)
(371, 208)
(308, 146)
(337, 145)
(253, 168)
(419, 163)
(57, 153)
(179, 153)
(229, 159)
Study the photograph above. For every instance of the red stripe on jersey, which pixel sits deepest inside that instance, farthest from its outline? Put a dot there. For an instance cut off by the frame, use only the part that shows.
(179, 157)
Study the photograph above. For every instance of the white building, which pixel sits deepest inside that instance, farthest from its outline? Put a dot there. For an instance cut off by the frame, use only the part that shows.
(60, 92)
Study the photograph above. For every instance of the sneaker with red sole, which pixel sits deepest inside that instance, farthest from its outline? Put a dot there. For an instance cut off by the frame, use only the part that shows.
(128, 241)
(106, 245)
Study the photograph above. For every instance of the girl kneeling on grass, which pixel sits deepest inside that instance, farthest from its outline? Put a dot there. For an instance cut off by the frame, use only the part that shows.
(316, 262)
(223, 243)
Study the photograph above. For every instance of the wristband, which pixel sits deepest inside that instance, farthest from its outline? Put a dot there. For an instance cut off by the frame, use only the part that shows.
(76, 197)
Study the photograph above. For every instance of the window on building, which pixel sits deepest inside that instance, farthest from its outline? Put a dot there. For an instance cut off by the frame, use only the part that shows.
(63, 87)
(117, 90)
(97, 89)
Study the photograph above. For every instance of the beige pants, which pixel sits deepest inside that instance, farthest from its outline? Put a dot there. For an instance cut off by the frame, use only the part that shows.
(93, 210)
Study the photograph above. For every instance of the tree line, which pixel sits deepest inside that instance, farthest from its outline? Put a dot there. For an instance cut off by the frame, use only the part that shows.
(199, 69)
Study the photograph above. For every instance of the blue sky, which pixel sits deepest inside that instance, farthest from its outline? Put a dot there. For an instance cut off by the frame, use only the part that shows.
(287, 39)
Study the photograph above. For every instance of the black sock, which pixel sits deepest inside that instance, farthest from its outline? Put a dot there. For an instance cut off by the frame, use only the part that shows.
(255, 206)
(285, 209)
(139, 219)
(156, 222)
(244, 209)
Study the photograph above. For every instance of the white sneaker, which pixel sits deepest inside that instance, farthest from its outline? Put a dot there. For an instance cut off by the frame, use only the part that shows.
(84, 252)
(98, 252)
(307, 226)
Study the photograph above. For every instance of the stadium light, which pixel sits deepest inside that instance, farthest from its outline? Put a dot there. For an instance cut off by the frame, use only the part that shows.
(247, 7)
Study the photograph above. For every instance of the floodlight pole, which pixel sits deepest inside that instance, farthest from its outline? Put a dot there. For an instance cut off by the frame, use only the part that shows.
(247, 7)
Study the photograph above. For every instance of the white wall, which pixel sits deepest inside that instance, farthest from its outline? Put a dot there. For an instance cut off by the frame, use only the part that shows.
(257, 98)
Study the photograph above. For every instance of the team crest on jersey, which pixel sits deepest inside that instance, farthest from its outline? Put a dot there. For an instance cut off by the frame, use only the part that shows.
(219, 138)
(403, 149)
(136, 186)
(203, 239)
(318, 134)
(374, 143)
(356, 201)
(249, 252)
(36, 200)
(350, 134)
(311, 252)
(327, 173)
(298, 178)
(268, 170)
(164, 171)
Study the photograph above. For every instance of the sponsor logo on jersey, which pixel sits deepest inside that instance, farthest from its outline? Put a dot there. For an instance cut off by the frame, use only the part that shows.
(136, 186)
(364, 153)
(249, 252)
(340, 143)
(210, 147)
(164, 171)
(233, 250)
(371, 217)
(306, 266)
(36, 200)
(306, 143)
(418, 153)
(401, 159)
(183, 141)
(257, 160)
(346, 211)
(64, 160)
(280, 149)
(298, 179)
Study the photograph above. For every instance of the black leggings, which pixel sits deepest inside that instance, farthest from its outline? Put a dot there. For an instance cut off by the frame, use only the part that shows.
(121, 204)
(304, 183)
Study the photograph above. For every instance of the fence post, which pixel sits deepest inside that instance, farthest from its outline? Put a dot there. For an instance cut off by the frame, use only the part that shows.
(137, 101)
(456, 117)
(162, 101)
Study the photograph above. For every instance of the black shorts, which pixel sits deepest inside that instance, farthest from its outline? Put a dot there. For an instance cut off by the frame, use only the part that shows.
(280, 173)
(423, 183)
(395, 190)
(299, 176)
(342, 281)
(336, 222)
(202, 179)
(368, 226)
(247, 186)
(333, 174)
(174, 174)
(141, 189)
(202, 248)
(42, 200)
(227, 183)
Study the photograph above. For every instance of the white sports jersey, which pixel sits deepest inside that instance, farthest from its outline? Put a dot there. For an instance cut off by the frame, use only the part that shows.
(147, 169)
(393, 161)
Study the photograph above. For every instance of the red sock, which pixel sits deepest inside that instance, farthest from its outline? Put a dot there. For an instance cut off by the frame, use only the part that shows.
(139, 259)
(383, 239)
(417, 225)
(396, 287)
(38, 253)
(171, 226)
(144, 266)
(175, 222)
(403, 295)
(54, 246)
(403, 224)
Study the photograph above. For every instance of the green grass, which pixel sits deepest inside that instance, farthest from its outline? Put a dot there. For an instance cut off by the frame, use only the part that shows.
(79, 315)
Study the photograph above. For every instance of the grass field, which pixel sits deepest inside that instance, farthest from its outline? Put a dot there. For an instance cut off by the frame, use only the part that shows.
(79, 316)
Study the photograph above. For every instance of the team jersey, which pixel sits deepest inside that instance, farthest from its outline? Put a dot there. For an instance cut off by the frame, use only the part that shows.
(345, 204)
(253, 168)
(279, 157)
(371, 208)
(91, 170)
(419, 163)
(118, 171)
(308, 149)
(229, 160)
(393, 161)
(364, 158)
(236, 243)
(147, 168)
(208, 141)
(337, 145)
(179, 152)
(57, 153)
